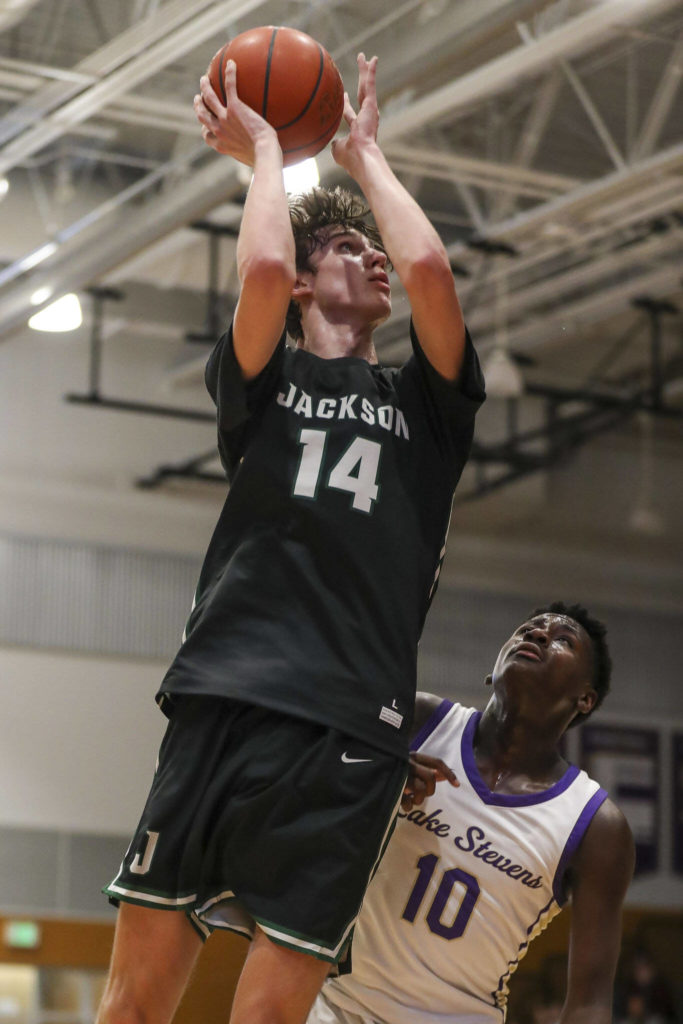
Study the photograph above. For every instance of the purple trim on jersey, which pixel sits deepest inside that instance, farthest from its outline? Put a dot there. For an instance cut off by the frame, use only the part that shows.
(514, 964)
(430, 725)
(575, 837)
(506, 799)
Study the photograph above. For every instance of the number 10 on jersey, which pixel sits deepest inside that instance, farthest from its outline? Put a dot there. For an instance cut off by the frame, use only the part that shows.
(355, 471)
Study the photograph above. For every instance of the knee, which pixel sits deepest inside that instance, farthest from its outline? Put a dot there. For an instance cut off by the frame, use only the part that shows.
(120, 1005)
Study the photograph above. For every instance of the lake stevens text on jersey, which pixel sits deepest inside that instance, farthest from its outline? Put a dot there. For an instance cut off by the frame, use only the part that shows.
(472, 843)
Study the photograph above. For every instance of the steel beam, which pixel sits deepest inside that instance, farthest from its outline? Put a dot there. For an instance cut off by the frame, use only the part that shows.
(133, 65)
(77, 265)
(580, 34)
(473, 168)
(662, 103)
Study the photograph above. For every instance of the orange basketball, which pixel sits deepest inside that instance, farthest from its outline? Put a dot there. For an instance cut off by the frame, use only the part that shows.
(290, 80)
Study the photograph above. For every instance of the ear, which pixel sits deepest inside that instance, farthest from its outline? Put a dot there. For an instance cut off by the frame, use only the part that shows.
(302, 285)
(586, 702)
(488, 681)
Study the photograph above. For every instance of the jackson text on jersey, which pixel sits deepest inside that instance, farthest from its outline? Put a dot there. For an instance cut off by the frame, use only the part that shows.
(351, 407)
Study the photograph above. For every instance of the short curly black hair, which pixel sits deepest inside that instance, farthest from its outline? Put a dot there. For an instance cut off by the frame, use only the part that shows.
(602, 662)
(312, 215)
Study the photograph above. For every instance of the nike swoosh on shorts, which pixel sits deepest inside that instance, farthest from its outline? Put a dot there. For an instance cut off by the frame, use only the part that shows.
(355, 760)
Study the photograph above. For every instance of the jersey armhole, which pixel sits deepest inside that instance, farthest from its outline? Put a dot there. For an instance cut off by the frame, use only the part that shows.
(571, 846)
(430, 725)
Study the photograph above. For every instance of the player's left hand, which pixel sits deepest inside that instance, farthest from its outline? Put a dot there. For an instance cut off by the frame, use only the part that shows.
(423, 774)
(364, 124)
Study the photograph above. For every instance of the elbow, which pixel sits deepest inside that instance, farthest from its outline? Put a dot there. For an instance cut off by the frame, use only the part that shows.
(430, 269)
(269, 271)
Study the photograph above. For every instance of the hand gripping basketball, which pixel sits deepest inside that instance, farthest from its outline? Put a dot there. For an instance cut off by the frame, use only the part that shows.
(290, 80)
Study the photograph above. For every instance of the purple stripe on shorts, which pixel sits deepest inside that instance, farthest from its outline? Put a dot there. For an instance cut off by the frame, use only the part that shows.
(506, 799)
(575, 837)
(430, 725)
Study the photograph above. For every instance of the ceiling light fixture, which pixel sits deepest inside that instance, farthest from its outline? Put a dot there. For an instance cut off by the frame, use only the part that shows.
(4, 187)
(502, 376)
(645, 517)
(63, 315)
(41, 295)
(302, 176)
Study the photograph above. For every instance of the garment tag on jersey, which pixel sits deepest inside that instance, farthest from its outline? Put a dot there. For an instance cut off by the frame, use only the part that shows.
(391, 717)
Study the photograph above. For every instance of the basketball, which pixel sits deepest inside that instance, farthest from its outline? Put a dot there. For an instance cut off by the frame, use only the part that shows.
(290, 80)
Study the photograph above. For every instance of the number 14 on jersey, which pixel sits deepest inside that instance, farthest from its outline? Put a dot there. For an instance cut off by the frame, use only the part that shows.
(355, 471)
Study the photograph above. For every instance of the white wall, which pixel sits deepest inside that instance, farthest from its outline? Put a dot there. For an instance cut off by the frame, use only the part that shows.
(78, 740)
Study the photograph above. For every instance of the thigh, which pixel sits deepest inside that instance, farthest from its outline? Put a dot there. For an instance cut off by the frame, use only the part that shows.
(299, 842)
(153, 954)
(163, 865)
(277, 985)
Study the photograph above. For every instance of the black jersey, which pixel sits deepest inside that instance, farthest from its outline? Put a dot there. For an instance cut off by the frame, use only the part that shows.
(320, 571)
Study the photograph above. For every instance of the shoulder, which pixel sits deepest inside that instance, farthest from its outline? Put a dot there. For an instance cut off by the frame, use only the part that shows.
(425, 706)
(609, 824)
(606, 854)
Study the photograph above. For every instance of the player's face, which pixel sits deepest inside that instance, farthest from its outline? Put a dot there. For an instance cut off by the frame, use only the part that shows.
(349, 281)
(547, 661)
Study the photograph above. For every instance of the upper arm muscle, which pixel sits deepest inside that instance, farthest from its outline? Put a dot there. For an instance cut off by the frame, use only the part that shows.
(601, 872)
(425, 706)
(260, 317)
(438, 318)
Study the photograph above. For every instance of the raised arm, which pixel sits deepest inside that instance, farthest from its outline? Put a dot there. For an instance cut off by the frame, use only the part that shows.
(600, 875)
(413, 245)
(265, 246)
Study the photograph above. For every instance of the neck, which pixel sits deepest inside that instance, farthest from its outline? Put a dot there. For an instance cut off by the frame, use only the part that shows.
(507, 743)
(329, 340)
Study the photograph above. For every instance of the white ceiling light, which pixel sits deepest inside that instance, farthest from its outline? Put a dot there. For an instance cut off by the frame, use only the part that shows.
(645, 518)
(502, 376)
(41, 295)
(4, 187)
(302, 176)
(63, 315)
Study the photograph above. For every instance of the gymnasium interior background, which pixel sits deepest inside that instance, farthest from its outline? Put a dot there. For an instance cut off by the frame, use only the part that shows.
(545, 142)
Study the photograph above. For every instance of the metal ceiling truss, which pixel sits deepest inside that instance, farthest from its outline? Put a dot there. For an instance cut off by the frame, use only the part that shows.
(94, 397)
(170, 31)
(520, 454)
(565, 428)
(572, 251)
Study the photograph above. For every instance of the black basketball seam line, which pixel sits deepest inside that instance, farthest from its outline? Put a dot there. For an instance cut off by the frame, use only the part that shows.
(281, 127)
(266, 82)
(221, 75)
(311, 142)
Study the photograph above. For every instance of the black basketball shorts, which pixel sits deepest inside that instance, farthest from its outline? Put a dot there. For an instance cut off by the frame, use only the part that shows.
(258, 817)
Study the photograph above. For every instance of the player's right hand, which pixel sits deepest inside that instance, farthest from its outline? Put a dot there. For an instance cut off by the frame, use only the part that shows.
(424, 772)
(232, 128)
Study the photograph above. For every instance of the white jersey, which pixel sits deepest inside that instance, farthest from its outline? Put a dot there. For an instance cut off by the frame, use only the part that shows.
(467, 881)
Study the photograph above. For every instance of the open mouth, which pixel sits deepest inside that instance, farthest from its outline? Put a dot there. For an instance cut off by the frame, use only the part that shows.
(527, 650)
